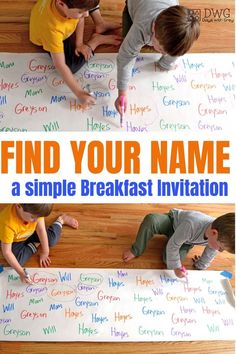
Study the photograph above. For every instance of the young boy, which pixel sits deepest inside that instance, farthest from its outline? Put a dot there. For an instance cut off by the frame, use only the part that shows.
(22, 230)
(58, 26)
(184, 230)
(171, 29)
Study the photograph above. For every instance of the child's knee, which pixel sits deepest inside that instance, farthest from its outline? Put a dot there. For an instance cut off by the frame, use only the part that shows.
(52, 242)
(149, 220)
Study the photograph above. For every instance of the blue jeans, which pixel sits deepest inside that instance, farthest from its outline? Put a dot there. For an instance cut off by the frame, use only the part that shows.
(25, 249)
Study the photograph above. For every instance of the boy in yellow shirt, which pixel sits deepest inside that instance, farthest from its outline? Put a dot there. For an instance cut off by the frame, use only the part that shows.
(22, 230)
(58, 26)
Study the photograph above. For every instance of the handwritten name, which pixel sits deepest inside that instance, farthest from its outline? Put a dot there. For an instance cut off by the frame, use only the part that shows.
(110, 298)
(32, 315)
(202, 86)
(93, 125)
(150, 332)
(206, 111)
(173, 126)
(144, 282)
(176, 103)
(15, 332)
(21, 108)
(7, 86)
(182, 320)
(34, 66)
(122, 317)
(130, 127)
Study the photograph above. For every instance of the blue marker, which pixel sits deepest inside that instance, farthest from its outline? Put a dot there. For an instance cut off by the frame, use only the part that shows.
(226, 274)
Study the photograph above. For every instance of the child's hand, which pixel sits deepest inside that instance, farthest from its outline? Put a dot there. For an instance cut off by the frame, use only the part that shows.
(86, 99)
(118, 104)
(84, 49)
(24, 279)
(180, 273)
(44, 259)
(160, 68)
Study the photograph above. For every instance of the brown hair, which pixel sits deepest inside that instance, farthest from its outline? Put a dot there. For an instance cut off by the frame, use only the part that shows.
(225, 225)
(37, 209)
(176, 28)
(81, 4)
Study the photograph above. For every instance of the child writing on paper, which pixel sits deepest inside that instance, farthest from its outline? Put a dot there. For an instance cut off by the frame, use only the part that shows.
(171, 30)
(58, 26)
(184, 230)
(22, 231)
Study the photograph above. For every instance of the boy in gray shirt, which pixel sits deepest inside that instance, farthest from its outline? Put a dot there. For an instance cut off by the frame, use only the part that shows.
(171, 29)
(184, 230)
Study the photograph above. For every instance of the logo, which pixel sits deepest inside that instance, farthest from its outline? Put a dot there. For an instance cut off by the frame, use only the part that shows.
(213, 15)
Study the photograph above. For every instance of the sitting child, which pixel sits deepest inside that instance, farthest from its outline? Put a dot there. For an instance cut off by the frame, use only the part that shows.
(184, 230)
(22, 231)
(58, 26)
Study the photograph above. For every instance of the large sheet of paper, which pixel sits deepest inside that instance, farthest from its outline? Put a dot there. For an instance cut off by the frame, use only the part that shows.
(116, 305)
(198, 96)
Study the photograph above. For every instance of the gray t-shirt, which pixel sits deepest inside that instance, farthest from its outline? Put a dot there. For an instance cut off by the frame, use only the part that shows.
(142, 13)
(189, 228)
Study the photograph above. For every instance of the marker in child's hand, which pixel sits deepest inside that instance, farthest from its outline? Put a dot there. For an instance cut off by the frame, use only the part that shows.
(184, 270)
(27, 275)
(92, 94)
(122, 105)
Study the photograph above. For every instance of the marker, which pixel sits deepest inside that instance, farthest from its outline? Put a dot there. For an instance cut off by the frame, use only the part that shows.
(26, 274)
(226, 274)
(184, 270)
(122, 104)
(87, 87)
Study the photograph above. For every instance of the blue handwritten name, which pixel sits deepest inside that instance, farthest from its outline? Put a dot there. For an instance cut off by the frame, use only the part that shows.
(55, 307)
(3, 100)
(109, 112)
(115, 284)
(192, 66)
(98, 319)
(8, 307)
(65, 276)
(57, 99)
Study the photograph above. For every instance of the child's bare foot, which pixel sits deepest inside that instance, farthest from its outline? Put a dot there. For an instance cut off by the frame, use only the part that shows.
(107, 26)
(65, 219)
(128, 255)
(99, 39)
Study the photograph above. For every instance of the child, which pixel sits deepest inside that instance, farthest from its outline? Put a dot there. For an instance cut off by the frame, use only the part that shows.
(58, 26)
(22, 230)
(171, 29)
(184, 230)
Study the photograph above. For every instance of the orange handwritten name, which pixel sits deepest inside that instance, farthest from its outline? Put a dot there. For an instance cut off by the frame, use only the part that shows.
(144, 282)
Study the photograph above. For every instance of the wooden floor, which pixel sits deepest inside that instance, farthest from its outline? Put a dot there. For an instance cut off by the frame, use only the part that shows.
(216, 17)
(104, 232)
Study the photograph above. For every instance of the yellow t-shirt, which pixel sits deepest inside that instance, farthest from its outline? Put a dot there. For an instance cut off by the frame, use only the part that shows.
(12, 228)
(48, 28)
